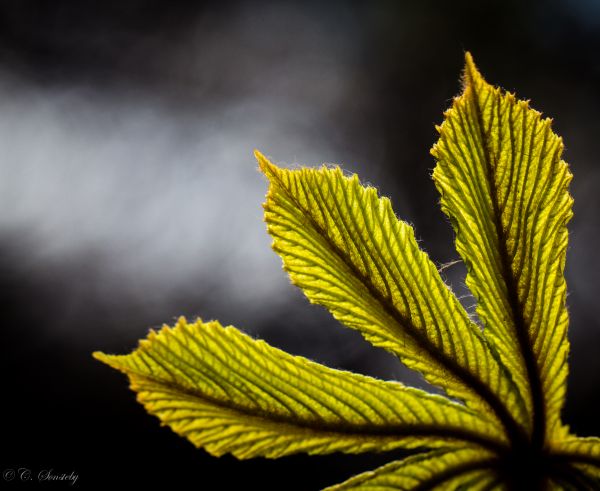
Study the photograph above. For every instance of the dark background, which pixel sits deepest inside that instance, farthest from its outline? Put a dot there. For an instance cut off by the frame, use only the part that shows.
(129, 195)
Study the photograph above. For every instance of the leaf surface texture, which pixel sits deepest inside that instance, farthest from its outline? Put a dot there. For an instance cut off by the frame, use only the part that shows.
(344, 246)
(504, 186)
(461, 469)
(229, 393)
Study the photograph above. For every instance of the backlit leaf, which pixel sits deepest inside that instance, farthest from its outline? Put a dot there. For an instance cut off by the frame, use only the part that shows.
(504, 187)
(229, 393)
(345, 248)
(442, 469)
(584, 453)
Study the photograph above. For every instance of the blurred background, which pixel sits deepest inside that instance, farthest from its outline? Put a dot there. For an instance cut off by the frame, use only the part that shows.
(130, 196)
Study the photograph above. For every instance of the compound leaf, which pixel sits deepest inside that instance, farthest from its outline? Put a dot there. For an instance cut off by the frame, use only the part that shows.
(229, 393)
(505, 189)
(345, 248)
(440, 469)
(504, 186)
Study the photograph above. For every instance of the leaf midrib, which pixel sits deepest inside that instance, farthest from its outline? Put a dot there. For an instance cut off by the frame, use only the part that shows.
(533, 374)
(361, 430)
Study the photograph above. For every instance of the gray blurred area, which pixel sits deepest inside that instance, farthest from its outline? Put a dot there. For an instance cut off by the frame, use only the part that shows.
(140, 191)
(130, 195)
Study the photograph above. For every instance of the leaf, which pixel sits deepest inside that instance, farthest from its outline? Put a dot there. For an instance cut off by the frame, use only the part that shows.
(231, 394)
(442, 469)
(578, 460)
(584, 453)
(504, 186)
(346, 249)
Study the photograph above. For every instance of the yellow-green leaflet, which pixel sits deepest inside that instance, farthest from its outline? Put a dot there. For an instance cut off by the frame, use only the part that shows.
(229, 393)
(581, 452)
(504, 187)
(345, 248)
(442, 469)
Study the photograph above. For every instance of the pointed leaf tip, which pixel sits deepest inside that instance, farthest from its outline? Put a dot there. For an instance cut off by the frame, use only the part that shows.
(109, 360)
(471, 73)
(265, 166)
(98, 355)
(469, 58)
(258, 155)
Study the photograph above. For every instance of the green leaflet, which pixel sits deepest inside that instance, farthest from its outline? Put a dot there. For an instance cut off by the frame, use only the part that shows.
(229, 393)
(345, 248)
(460, 469)
(579, 448)
(583, 453)
(505, 189)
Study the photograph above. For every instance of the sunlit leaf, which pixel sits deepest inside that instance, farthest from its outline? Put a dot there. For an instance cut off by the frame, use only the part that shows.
(504, 187)
(345, 248)
(229, 393)
(582, 453)
(460, 469)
